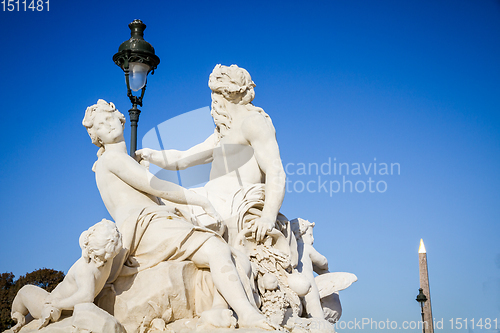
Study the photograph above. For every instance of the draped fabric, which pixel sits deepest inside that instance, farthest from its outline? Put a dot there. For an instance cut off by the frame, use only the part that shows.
(246, 206)
(155, 234)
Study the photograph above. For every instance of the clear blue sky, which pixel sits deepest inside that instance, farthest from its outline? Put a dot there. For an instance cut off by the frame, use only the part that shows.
(409, 82)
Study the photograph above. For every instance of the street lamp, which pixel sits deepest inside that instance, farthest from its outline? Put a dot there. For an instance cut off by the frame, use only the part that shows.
(136, 58)
(421, 298)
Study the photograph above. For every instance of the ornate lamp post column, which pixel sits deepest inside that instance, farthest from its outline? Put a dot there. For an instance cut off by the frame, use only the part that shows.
(421, 298)
(136, 58)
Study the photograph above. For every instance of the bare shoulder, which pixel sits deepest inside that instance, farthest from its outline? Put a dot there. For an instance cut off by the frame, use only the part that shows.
(112, 160)
(81, 265)
(77, 267)
(256, 125)
(86, 274)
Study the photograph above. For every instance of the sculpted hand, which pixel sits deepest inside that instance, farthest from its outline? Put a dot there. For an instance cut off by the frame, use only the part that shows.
(144, 154)
(261, 227)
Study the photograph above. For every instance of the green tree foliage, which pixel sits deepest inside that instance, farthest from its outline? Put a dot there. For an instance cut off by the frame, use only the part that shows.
(44, 278)
(6, 284)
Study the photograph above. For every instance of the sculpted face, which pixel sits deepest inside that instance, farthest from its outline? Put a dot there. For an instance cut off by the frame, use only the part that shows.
(308, 236)
(101, 121)
(108, 127)
(233, 82)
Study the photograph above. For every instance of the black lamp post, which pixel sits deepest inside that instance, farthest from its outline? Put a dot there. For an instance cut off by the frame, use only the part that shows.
(421, 298)
(136, 58)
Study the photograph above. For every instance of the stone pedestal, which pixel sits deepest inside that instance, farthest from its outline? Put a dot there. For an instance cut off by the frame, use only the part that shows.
(87, 317)
(168, 291)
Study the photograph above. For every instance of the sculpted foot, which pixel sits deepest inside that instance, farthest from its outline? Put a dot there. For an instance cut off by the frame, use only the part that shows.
(256, 320)
(216, 318)
(20, 320)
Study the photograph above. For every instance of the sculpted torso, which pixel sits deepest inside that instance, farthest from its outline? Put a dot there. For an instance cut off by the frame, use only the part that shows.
(116, 194)
(82, 276)
(234, 163)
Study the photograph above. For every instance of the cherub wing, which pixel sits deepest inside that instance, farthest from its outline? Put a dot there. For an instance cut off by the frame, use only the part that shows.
(331, 282)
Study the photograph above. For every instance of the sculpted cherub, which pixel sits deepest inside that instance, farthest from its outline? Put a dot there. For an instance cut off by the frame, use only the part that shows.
(310, 257)
(310, 261)
(85, 279)
(322, 301)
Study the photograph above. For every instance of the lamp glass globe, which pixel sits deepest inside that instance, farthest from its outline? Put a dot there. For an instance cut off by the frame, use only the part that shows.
(138, 75)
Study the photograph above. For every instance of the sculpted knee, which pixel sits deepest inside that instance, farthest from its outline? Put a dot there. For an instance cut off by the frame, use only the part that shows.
(216, 247)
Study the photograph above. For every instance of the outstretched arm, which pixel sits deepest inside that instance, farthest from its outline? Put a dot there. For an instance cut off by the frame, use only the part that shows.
(138, 177)
(261, 135)
(319, 261)
(172, 159)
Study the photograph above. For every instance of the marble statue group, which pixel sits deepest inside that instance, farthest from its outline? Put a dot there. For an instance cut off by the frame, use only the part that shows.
(179, 260)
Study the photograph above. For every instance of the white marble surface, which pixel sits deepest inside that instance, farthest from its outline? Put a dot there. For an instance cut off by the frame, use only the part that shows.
(221, 257)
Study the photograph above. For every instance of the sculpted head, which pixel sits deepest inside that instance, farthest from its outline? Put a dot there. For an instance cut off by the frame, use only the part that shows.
(101, 242)
(98, 113)
(231, 86)
(233, 83)
(303, 229)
